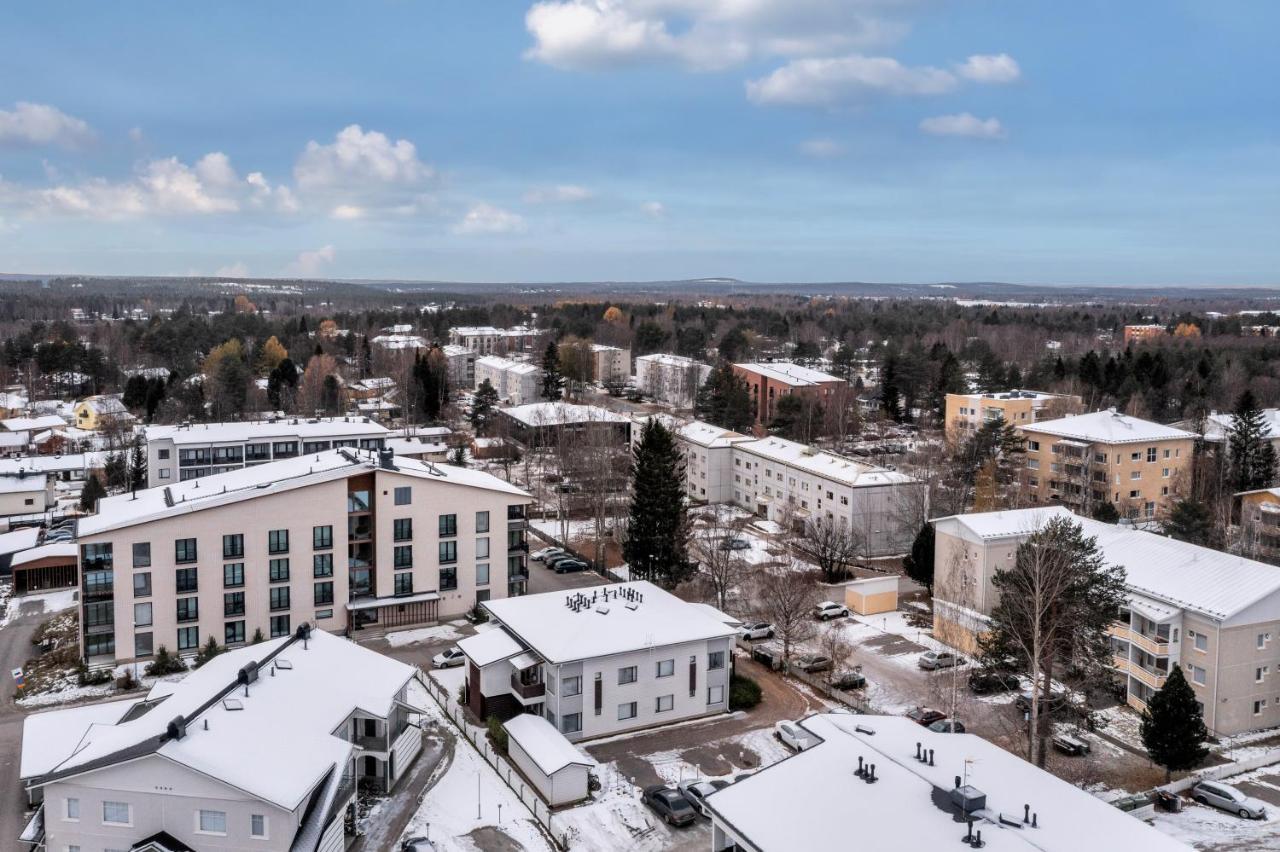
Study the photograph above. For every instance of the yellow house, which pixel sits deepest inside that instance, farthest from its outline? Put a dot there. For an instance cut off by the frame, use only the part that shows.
(968, 412)
(97, 412)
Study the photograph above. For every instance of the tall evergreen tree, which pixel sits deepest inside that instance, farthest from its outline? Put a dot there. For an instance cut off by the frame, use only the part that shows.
(890, 397)
(1253, 458)
(950, 380)
(552, 377)
(657, 542)
(431, 372)
(91, 493)
(1173, 729)
(135, 392)
(483, 407)
(1191, 520)
(918, 564)
(138, 466)
(724, 400)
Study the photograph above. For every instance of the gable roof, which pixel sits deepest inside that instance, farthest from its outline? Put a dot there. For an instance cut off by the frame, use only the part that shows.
(546, 747)
(789, 373)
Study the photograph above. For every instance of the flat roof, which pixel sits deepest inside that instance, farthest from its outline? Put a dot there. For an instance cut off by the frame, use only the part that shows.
(1107, 427)
(709, 435)
(23, 484)
(496, 362)
(561, 413)
(789, 373)
(266, 430)
(490, 646)
(841, 469)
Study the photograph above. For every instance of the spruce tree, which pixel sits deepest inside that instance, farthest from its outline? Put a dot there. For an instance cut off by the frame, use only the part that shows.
(1253, 458)
(1191, 521)
(483, 405)
(91, 493)
(918, 564)
(138, 467)
(724, 400)
(1173, 730)
(890, 398)
(552, 377)
(657, 542)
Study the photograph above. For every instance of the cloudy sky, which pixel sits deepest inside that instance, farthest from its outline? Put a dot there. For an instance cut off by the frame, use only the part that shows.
(784, 140)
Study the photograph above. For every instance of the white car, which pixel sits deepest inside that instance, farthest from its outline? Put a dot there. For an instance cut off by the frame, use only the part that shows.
(449, 658)
(933, 660)
(791, 735)
(756, 630)
(1228, 798)
(831, 609)
(540, 555)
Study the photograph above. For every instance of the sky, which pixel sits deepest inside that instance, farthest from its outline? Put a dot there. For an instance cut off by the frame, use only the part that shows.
(575, 140)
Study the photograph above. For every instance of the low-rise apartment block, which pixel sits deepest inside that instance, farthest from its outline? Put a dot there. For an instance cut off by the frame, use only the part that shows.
(260, 748)
(517, 382)
(192, 450)
(1215, 614)
(610, 364)
(341, 539)
(968, 412)
(670, 379)
(770, 382)
(1136, 465)
(708, 461)
(462, 365)
(487, 340)
(555, 424)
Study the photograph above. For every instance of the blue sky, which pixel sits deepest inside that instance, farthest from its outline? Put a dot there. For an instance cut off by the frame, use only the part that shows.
(783, 140)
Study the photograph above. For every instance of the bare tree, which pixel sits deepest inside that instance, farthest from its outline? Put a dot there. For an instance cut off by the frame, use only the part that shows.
(785, 597)
(719, 564)
(832, 545)
(602, 467)
(835, 644)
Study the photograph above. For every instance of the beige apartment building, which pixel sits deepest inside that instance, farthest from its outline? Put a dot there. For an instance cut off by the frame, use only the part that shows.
(1215, 614)
(342, 539)
(1136, 465)
(968, 412)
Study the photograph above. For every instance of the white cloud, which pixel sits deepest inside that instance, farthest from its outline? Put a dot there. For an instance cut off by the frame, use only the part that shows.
(560, 194)
(484, 218)
(653, 209)
(173, 187)
(310, 263)
(262, 194)
(356, 158)
(347, 212)
(706, 34)
(999, 68)
(135, 134)
(233, 270)
(963, 124)
(827, 82)
(41, 124)
(821, 148)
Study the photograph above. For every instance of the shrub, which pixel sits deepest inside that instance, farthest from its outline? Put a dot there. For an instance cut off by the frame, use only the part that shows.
(462, 694)
(164, 663)
(93, 678)
(257, 636)
(208, 652)
(497, 734)
(126, 681)
(744, 693)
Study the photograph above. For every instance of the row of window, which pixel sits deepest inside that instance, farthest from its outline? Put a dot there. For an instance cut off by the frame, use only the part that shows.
(571, 723)
(206, 821)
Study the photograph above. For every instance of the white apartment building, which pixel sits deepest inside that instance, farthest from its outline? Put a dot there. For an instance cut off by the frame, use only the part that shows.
(487, 340)
(193, 450)
(671, 379)
(260, 748)
(398, 342)
(611, 364)
(1215, 614)
(708, 459)
(602, 660)
(517, 382)
(462, 365)
(342, 539)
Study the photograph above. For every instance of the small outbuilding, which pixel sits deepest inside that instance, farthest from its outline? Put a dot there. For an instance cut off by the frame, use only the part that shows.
(872, 595)
(555, 768)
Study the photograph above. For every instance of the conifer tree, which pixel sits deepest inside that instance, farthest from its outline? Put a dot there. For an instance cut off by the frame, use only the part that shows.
(138, 467)
(91, 493)
(1253, 458)
(483, 405)
(918, 564)
(724, 400)
(552, 377)
(1173, 730)
(657, 542)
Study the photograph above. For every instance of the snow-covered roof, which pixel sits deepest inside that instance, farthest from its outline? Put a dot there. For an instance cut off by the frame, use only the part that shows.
(108, 404)
(717, 614)
(669, 360)
(840, 469)
(276, 742)
(454, 350)
(14, 439)
(63, 549)
(475, 331)
(602, 625)
(789, 373)
(47, 737)
(43, 464)
(490, 646)
(708, 435)
(19, 540)
(546, 746)
(316, 428)
(261, 480)
(399, 341)
(495, 362)
(1107, 427)
(806, 800)
(561, 413)
(1218, 424)
(23, 484)
(32, 424)
(1015, 394)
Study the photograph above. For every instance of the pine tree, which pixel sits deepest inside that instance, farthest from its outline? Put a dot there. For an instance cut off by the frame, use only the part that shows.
(1253, 458)
(552, 377)
(458, 456)
(1173, 730)
(657, 542)
(135, 392)
(483, 405)
(918, 564)
(91, 493)
(890, 398)
(138, 467)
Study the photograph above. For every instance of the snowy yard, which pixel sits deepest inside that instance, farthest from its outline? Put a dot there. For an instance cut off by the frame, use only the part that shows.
(444, 632)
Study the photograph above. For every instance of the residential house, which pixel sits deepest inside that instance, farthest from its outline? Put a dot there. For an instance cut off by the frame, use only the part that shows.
(670, 379)
(105, 411)
(966, 413)
(770, 382)
(517, 382)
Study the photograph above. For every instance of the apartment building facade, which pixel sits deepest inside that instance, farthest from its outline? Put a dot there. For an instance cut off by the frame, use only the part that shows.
(517, 382)
(192, 450)
(487, 340)
(708, 461)
(670, 379)
(1138, 466)
(340, 539)
(1216, 615)
(966, 413)
(462, 365)
(770, 382)
(611, 364)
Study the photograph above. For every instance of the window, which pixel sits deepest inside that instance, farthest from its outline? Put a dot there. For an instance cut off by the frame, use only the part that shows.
(402, 529)
(212, 822)
(448, 552)
(142, 645)
(571, 723)
(187, 638)
(1151, 454)
(1135, 474)
(1259, 706)
(284, 449)
(164, 454)
(233, 632)
(280, 597)
(1033, 464)
(232, 546)
(258, 826)
(142, 554)
(715, 695)
(1263, 639)
(323, 593)
(404, 556)
(664, 703)
(232, 604)
(278, 541)
(666, 668)
(142, 585)
(482, 548)
(482, 522)
(1260, 674)
(185, 580)
(448, 579)
(1200, 640)
(116, 813)
(278, 570)
(404, 583)
(233, 575)
(164, 473)
(448, 525)
(142, 615)
(1033, 446)
(627, 675)
(279, 625)
(322, 565)
(571, 686)
(322, 614)
(715, 660)
(404, 495)
(1197, 675)
(1135, 456)
(72, 810)
(188, 609)
(321, 537)
(627, 711)
(184, 550)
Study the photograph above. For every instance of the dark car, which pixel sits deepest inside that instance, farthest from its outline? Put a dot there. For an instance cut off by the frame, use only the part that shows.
(925, 716)
(568, 566)
(985, 682)
(847, 680)
(668, 803)
(551, 561)
(1054, 704)
(947, 726)
(734, 544)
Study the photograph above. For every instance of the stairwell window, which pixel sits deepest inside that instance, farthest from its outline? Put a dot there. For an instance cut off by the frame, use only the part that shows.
(403, 495)
(258, 826)
(1197, 675)
(212, 822)
(116, 813)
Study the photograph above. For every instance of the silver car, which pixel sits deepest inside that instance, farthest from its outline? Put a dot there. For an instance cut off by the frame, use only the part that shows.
(1228, 798)
(932, 660)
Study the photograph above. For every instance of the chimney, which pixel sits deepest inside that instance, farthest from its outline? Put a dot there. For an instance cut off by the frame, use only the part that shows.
(386, 459)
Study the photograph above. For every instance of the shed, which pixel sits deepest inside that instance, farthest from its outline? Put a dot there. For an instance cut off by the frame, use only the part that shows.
(872, 595)
(555, 768)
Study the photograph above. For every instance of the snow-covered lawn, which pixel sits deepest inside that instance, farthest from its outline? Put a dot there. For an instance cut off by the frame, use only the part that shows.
(446, 632)
(53, 601)
(1209, 828)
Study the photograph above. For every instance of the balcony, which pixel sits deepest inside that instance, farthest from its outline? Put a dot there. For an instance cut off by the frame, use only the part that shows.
(1153, 679)
(521, 545)
(1153, 645)
(371, 743)
(527, 691)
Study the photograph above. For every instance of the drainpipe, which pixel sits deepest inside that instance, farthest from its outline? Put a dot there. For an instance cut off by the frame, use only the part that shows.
(1217, 674)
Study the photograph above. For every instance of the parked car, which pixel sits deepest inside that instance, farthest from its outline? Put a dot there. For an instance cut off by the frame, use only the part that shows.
(756, 630)
(417, 844)
(847, 679)
(545, 553)
(1228, 798)
(667, 803)
(986, 681)
(925, 716)
(697, 791)
(558, 557)
(567, 488)
(933, 660)
(1055, 703)
(947, 726)
(813, 663)
(569, 566)
(734, 544)
(1070, 745)
(791, 735)
(830, 609)
(449, 658)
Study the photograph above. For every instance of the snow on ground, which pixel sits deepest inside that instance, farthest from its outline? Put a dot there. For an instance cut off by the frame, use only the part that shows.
(578, 530)
(896, 623)
(614, 819)
(448, 632)
(1124, 724)
(54, 601)
(66, 689)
